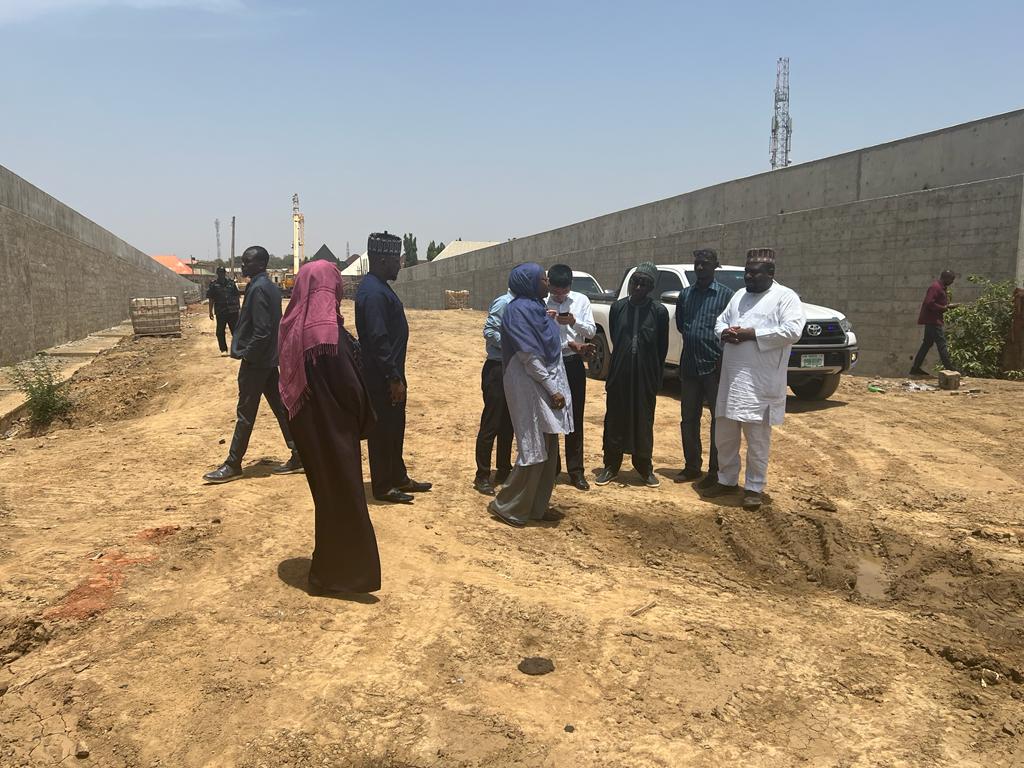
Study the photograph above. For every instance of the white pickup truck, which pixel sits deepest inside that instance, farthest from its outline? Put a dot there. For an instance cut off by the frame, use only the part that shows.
(827, 348)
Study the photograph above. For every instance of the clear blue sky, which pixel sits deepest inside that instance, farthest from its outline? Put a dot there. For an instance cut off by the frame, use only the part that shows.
(482, 120)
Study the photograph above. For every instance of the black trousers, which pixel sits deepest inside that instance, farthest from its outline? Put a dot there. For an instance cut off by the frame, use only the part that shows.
(695, 391)
(934, 334)
(386, 441)
(495, 422)
(576, 373)
(222, 321)
(254, 383)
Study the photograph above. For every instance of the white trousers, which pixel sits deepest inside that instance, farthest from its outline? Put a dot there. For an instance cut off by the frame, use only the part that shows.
(727, 440)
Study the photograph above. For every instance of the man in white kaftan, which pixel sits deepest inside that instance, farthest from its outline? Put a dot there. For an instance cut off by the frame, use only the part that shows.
(758, 328)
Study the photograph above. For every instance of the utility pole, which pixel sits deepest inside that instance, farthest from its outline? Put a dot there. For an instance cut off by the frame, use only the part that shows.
(782, 124)
(298, 233)
(232, 246)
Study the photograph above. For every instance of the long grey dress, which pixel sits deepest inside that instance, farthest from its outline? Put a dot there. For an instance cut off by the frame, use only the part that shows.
(529, 384)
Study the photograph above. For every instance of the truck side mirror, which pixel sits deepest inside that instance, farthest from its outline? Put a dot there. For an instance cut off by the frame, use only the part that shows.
(670, 297)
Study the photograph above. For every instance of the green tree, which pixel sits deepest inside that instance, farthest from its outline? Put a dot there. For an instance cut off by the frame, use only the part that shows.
(409, 246)
(437, 249)
(431, 251)
(978, 331)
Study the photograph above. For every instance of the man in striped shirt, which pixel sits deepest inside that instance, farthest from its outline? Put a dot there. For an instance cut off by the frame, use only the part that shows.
(697, 309)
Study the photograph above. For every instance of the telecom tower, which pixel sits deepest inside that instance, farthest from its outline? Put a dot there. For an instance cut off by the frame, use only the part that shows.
(216, 228)
(782, 123)
(298, 234)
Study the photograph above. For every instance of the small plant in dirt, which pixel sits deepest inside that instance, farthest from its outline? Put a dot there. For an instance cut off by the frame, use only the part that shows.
(37, 379)
(978, 332)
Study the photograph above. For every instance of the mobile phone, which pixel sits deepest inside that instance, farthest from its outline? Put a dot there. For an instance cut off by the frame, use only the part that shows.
(563, 314)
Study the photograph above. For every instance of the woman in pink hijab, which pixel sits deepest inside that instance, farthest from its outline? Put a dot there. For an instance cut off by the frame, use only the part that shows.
(329, 411)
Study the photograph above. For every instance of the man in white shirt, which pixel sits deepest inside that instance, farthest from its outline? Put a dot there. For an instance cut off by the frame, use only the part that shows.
(571, 310)
(758, 329)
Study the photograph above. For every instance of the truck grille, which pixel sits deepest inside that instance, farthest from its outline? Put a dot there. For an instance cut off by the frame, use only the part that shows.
(823, 332)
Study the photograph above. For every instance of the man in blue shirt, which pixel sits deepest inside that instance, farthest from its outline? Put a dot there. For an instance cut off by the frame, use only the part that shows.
(697, 309)
(384, 338)
(495, 421)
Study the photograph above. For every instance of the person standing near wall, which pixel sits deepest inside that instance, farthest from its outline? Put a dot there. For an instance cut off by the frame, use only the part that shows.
(223, 299)
(933, 308)
(575, 320)
(255, 344)
(384, 339)
(758, 328)
(697, 310)
(495, 421)
(639, 333)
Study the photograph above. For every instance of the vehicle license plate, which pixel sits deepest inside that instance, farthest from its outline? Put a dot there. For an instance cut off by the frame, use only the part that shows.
(812, 361)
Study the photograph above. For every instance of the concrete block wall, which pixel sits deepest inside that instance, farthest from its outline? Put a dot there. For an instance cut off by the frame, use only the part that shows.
(62, 276)
(872, 259)
(949, 197)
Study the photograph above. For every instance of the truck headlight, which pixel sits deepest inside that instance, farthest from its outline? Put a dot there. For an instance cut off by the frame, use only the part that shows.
(845, 325)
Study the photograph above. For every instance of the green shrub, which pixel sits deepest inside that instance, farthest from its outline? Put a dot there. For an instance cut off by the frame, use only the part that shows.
(978, 332)
(37, 379)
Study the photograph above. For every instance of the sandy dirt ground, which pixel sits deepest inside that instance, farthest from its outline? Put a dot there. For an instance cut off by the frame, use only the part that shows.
(870, 615)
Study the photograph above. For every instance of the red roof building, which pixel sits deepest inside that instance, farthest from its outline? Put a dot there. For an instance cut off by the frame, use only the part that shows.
(173, 263)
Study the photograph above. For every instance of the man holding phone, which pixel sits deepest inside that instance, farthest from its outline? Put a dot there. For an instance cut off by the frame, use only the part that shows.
(575, 319)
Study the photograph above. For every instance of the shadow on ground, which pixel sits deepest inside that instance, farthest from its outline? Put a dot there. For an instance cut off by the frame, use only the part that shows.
(295, 573)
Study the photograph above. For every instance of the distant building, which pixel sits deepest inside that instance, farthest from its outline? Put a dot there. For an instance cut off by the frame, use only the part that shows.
(324, 254)
(360, 265)
(173, 263)
(456, 247)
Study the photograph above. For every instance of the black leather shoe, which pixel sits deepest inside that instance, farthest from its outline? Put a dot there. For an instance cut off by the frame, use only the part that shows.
(413, 487)
(225, 473)
(291, 467)
(751, 500)
(580, 483)
(707, 482)
(720, 490)
(394, 496)
(605, 476)
(686, 474)
(484, 487)
(652, 481)
(552, 515)
(918, 372)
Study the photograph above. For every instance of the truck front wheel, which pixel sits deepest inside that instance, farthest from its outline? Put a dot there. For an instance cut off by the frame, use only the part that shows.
(600, 360)
(815, 387)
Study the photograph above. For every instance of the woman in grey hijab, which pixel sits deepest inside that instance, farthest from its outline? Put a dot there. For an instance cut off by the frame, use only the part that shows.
(537, 393)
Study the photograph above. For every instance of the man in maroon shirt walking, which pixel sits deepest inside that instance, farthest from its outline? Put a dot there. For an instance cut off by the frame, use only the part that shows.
(936, 302)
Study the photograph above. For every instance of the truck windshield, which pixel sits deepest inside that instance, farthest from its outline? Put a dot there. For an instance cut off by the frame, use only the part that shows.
(586, 285)
(730, 279)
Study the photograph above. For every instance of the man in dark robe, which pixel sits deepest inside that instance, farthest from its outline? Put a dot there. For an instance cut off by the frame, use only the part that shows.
(384, 339)
(639, 337)
(329, 410)
(255, 344)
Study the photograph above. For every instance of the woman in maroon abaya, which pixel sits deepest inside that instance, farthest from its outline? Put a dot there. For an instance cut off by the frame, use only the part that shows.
(329, 410)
